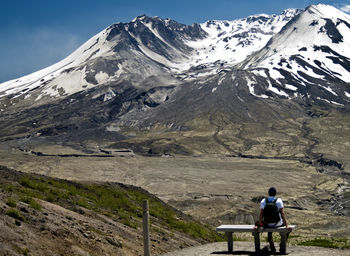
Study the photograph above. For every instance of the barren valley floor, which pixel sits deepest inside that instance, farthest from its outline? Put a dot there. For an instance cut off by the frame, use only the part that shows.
(219, 190)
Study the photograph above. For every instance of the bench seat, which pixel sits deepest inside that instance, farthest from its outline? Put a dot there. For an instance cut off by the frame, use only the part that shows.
(230, 229)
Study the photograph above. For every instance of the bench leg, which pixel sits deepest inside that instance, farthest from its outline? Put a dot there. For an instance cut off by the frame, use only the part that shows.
(283, 245)
(257, 241)
(229, 241)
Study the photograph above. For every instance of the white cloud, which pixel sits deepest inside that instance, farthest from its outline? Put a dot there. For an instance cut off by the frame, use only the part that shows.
(345, 7)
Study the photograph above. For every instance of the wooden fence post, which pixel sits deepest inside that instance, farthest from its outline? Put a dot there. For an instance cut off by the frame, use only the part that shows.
(146, 239)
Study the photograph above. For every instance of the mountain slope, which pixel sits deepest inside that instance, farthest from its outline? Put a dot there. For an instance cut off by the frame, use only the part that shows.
(148, 47)
(159, 87)
(309, 57)
(41, 216)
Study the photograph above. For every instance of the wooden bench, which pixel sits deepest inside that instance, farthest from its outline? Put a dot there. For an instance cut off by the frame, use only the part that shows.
(229, 229)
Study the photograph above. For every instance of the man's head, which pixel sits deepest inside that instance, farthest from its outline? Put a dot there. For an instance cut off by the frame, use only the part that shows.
(272, 191)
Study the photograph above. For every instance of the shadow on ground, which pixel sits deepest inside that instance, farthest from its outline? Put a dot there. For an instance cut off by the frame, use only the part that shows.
(264, 251)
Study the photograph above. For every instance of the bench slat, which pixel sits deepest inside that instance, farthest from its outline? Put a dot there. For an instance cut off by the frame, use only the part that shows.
(230, 229)
(250, 228)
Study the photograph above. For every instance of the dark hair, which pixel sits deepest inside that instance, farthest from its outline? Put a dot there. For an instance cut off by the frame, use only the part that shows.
(272, 191)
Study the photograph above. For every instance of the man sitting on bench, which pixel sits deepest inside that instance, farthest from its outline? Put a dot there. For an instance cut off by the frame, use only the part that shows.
(272, 215)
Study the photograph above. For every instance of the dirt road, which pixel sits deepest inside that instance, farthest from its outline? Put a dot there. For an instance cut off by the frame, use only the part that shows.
(247, 248)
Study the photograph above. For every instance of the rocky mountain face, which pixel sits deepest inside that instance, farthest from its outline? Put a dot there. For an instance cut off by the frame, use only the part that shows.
(263, 86)
(309, 57)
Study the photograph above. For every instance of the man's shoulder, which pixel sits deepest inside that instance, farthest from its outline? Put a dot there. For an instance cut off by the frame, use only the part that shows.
(279, 200)
(263, 200)
(262, 203)
(279, 203)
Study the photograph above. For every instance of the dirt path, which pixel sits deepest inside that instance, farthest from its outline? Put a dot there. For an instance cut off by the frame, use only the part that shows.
(247, 248)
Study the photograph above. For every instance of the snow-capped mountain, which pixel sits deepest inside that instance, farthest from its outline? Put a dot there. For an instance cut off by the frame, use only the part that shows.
(310, 57)
(254, 82)
(150, 47)
(131, 50)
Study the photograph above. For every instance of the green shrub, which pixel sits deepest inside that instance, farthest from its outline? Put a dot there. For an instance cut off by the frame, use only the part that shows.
(55, 192)
(194, 229)
(11, 202)
(26, 252)
(35, 205)
(69, 189)
(326, 242)
(26, 199)
(27, 192)
(83, 203)
(50, 198)
(27, 182)
(9, 188)
(320, 242)
(15, 214)
(32, 203)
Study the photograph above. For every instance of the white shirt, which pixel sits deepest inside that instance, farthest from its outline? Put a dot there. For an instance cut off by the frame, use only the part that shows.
(279, 204)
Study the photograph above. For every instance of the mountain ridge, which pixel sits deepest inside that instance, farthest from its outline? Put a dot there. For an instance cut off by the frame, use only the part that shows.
(138, 93)
(312, 67)
(128, 29)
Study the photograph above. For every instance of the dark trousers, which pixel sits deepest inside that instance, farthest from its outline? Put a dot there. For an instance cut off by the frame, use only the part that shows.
(269, 236)
(270, 240)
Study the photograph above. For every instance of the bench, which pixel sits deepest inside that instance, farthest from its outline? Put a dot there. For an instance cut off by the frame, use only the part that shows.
(229, 229)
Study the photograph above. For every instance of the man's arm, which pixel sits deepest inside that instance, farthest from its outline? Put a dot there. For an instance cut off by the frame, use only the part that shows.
(261, 217)
(284, 218)
(260, 222)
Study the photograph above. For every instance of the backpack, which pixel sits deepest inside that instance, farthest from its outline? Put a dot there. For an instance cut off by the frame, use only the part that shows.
(271, 213)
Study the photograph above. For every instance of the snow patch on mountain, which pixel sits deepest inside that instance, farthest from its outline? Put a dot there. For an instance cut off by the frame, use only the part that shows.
(232, 41)
(250, 84)
(101, 77)
(276, 91)
(291, 87)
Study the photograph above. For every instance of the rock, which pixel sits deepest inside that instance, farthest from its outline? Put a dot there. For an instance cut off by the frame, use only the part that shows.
(79, 210)
(23, 209)
(85, 234)
(114, 242)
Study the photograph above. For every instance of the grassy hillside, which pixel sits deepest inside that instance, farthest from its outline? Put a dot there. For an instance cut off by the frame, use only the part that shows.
(42, 215)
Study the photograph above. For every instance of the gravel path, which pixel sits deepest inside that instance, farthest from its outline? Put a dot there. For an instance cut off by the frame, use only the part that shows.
(247, 248)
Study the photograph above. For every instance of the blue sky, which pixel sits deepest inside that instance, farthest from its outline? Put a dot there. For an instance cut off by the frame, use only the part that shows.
(38, 33)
